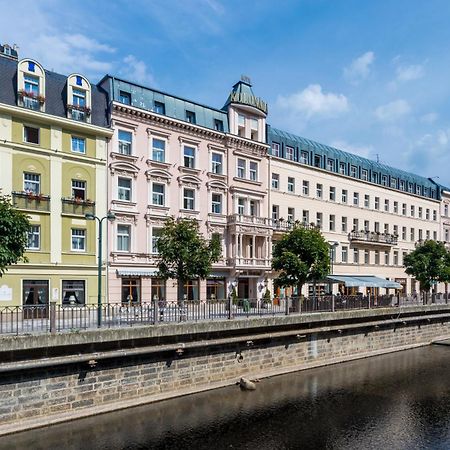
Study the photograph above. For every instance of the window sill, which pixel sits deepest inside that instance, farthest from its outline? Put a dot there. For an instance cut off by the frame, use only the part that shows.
(123, 157)
(189, 211)
(123, 202)
(189, 170)
(246, 180)
(219, 176)
(161, 164)
(159, 207)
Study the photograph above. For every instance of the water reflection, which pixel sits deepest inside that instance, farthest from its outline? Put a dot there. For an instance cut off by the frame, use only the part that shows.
(398, 401)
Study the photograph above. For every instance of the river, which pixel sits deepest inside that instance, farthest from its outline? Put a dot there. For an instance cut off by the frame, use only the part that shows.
(395, 401)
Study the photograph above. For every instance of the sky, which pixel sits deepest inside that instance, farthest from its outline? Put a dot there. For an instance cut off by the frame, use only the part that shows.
(369, 77)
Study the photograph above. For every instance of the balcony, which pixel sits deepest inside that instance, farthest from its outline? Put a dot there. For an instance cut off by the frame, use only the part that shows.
(282, 226)
(248, 220)
(31, 201)
(249, 263)
(80, 113)
(372, 237)
(31, 100)
(77, 206)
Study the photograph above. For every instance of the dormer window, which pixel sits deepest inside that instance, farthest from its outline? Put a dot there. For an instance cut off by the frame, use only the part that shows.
(30, 85)
(159, 108)
(78, 98)
(190, 116)
(125, 98)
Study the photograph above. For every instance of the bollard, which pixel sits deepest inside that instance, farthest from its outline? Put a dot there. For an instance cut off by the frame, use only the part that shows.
(52, 317)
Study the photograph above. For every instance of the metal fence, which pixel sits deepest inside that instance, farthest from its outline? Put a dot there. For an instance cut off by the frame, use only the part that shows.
(58, 318)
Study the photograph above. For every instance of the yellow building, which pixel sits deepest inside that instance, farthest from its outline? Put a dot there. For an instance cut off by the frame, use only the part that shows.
(53, 147)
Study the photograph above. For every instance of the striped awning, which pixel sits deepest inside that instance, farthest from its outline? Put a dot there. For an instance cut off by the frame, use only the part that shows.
(364, 281)
(137, 272)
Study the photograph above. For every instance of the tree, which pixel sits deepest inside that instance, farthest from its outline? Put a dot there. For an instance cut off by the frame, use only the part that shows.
(301, 256)
(184, 254)
(429, 263)
(14, 226)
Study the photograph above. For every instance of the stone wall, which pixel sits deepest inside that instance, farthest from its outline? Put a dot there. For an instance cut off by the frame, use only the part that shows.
(36, 397)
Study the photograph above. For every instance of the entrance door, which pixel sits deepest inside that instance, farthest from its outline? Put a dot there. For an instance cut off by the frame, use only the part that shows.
(243, 288)
(35, 299)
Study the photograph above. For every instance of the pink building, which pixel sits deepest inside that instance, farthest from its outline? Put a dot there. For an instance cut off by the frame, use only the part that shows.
(174, 157)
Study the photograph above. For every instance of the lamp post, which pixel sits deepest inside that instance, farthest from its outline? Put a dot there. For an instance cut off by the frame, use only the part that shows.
(89, 216)
(333, 246)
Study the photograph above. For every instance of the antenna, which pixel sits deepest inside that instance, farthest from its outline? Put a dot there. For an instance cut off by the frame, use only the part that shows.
(245, 79)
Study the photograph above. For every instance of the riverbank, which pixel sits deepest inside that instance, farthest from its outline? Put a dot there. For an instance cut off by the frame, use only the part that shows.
(52, 379)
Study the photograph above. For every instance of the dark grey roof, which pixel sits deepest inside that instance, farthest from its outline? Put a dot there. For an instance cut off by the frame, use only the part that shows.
(55, 93)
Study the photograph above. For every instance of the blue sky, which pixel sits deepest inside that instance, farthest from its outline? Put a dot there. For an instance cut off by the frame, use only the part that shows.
(370, 77)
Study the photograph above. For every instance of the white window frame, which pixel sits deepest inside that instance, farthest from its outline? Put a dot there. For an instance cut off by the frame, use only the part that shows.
(124, 144)
(253, 171)
(187, 199)
(241, 169)
(291, 185)
(158, 195)
(158, 151)
(35, 182)
(34, 233)
(77, 148)
(275, 181)
(191, 160)
(79, 185)
(25, 134)
(79, 234)
(215, 166)
(290, 152)
(125, 189)
(275, 149)
(154, 240)
(121, 236)
(215, 203)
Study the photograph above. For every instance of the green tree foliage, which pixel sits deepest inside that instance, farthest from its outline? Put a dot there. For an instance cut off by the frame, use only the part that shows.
(301, 256)
(14, 227)
(429, 263)
(184, 254)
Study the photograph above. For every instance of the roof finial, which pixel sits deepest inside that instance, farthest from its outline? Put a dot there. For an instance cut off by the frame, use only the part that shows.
(245, 79)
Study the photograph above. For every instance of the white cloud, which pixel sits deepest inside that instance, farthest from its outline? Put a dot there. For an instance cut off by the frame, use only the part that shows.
(409, 73)
(359, 69)
(312, 101)
(429, 118)
(393, 110)
(136, 70)
(361, 150)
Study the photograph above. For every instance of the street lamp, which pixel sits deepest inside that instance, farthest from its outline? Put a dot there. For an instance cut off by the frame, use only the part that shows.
(89, 216)
(333, 246)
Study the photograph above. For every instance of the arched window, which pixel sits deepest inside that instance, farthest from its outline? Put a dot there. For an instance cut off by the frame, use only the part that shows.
(31, 85)
(78, 98)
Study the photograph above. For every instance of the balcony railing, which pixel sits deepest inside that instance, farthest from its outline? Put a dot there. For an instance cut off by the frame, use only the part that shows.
(287, 225)
(241, 218)
(77, 207)
(31, 103)
(31, 201)
(373, 237)
(250, 262)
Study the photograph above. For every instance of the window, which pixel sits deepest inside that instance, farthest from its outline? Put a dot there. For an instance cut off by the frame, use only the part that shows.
(366, 201)
(78, 97)
(124, 189)
(291, 184)
(396, 207)
(32, 183)
(434, 214)
(291, 215)
(275, 212)
(158, 289)
(73, 292)
(445, 210)
(446, 234)
(374, 177)
(413, 211)
(364, 174)
(344, 254)
(344, 224)
(404, 233)
(79, 189)
(384, 180)
(215, 289)
(420, 211)
(319, 189)
(190, 116)
(216, 163)
(31, 135)
(31, 84)
(366, 225)
(216, 203)
(158, 194)
(34, 237)
(241, 121)
(427, 214)
(304, 157)
(386, 258)
(241, 206)
(253, 172)
(386, 205)
(355, 255)
(189, 157)
(254, 207)
(377, 202)
(353, 171)
(275, 181)
(366, 256)
(418, 190)
(342, 170)
(189, 199)
(420, 234)
(305, 188)
(319, 217)
(218, 125)
(355, 199)
(78, 145)
(376, 227)
(131, 290)
(330, 165)
(394, 183)
(402, 185)
(410, 188)
(395, 258)
(290, 153)
(412, 235)
(396, 230)
(78, 80)
(377, 257)
(275, 148)
(317, 161)
(125, 139)
(355, 224)
(344, 196)
(404, 209)
(241, 168)
(123, 238)
(78, 240)
(125, 98)
(305, 216)
(159, 108)
(386, 228)
(435, 235)
(191, 290)
(332, 223)
(332, 193)
(156, 234)
(158, 150)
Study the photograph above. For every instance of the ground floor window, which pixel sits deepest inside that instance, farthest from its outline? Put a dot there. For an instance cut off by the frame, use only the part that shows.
(35, 292)
(131, 290)
(158, 289)
(73, 292)
(191, 290)
(215, 289)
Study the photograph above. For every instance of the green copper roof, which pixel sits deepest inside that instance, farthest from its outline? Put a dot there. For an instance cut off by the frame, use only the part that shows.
(242, 93)
(375, 170)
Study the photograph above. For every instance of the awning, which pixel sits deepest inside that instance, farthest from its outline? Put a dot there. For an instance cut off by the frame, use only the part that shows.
(137, 273)
(218, 275)
(364, 281)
